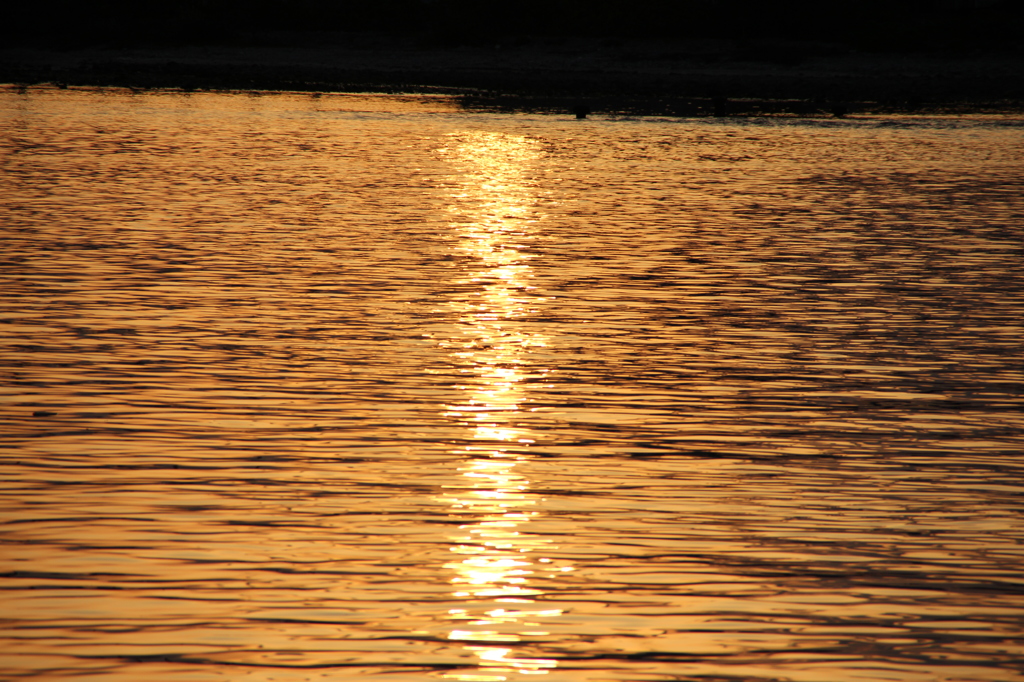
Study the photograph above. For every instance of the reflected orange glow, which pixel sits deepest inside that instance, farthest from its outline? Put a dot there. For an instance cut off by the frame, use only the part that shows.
(493, 209)
(779, 438)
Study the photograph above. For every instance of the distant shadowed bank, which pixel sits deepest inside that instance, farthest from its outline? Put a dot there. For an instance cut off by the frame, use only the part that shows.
(675, 57)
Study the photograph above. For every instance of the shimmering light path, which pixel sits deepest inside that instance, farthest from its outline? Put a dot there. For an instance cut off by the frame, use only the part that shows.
(494, 217)
(361, 388)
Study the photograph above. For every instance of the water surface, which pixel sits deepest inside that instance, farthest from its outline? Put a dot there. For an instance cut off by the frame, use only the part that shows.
(366, 387)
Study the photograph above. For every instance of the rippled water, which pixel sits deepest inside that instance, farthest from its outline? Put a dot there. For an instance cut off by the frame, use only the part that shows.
(358, 388)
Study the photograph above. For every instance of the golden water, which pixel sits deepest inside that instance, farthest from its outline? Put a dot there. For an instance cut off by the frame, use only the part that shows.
(370, 388)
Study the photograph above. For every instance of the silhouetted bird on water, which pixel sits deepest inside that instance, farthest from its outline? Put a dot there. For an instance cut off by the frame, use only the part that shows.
(581, 110)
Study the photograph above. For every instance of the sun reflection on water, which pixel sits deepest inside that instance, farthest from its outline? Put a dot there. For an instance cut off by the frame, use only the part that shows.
(497, 561)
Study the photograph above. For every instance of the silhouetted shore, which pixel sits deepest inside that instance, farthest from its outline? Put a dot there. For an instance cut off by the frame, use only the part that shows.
(641, 77)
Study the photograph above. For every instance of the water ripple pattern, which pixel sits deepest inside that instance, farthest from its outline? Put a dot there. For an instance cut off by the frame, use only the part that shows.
(368, 387)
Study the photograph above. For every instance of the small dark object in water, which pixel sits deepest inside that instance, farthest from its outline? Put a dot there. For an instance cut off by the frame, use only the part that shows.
(720, 104)
(581, 110)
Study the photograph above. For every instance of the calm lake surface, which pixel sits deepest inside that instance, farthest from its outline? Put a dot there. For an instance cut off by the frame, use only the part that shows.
(372, 388)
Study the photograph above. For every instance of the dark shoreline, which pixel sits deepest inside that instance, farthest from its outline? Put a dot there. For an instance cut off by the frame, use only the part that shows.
(694, 79)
